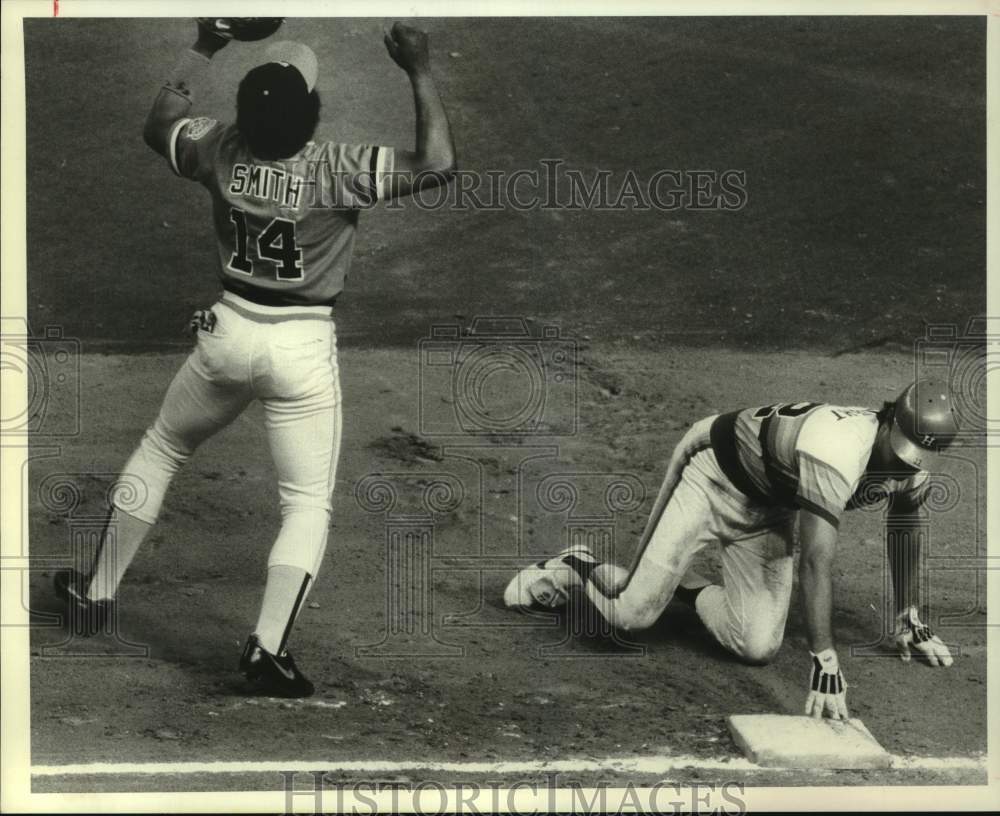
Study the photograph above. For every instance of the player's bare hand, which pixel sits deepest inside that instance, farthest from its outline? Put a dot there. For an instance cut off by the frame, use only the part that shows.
(408, 48)
(211, 36)
(827, 688)
(913, 636)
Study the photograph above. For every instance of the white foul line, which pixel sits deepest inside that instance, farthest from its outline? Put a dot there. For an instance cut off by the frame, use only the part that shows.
(639, 765)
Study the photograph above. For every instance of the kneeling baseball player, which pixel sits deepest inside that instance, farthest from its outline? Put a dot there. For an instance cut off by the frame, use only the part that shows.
(739, 479)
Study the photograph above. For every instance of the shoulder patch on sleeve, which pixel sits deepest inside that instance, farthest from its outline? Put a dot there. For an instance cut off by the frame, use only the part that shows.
(199, 127)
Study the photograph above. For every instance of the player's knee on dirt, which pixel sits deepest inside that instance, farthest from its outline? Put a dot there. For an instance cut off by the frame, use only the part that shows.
(760, 654)
(302, 539)
(758, 644)
(752, 628)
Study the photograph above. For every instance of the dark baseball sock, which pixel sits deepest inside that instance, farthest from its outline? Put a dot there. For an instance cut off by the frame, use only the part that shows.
(122, 537)
(284, 594)
(686, 595)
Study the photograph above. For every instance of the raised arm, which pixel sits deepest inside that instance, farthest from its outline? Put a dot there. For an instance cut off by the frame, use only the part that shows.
(433, 161)
(175, 97)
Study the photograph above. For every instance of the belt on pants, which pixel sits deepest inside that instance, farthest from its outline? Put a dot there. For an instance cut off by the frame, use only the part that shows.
(273, 314)
(268, 297)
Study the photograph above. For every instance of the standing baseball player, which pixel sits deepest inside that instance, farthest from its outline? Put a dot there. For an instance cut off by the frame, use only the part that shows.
(285, 211)
(740, 479)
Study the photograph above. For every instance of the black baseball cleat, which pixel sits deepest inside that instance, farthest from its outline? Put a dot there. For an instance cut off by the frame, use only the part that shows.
(273, 675)
(83, 616)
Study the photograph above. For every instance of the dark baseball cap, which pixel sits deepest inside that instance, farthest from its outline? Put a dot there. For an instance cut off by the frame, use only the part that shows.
(277, 110)
(283, 81)
(272, 90)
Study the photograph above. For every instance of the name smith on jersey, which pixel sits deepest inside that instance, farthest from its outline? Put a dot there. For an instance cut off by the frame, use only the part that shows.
(267, 184)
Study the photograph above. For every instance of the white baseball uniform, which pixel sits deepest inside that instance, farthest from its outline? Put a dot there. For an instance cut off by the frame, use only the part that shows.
(738, 479)
(285, 230)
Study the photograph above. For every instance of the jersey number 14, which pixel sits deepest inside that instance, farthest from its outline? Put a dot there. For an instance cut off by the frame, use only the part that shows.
(275, 243)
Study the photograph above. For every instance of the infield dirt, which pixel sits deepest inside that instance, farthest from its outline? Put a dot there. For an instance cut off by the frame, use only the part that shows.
(863, 145)
(491, 684)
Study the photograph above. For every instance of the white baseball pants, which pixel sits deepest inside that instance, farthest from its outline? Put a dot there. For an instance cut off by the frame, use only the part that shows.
(286, 357)
(698, 506)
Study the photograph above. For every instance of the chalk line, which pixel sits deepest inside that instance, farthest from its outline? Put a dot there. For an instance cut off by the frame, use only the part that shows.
(634, 764)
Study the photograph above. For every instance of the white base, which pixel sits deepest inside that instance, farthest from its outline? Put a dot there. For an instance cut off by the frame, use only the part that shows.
(783, 741)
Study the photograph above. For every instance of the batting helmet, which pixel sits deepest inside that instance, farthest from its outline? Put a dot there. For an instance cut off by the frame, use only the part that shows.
(923, 422)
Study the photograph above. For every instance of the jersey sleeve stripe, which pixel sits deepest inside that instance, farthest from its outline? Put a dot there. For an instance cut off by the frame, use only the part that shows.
(822, 488)
(379, 161)
(819, 466)
(172, 143)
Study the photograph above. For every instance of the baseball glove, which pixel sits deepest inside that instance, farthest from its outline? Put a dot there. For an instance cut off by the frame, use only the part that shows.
(245, 29)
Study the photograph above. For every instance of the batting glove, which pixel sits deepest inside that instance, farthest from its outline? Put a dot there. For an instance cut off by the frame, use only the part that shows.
(827, 689)
(912, 634)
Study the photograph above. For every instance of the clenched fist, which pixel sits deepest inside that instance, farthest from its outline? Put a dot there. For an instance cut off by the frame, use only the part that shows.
(408, 48)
